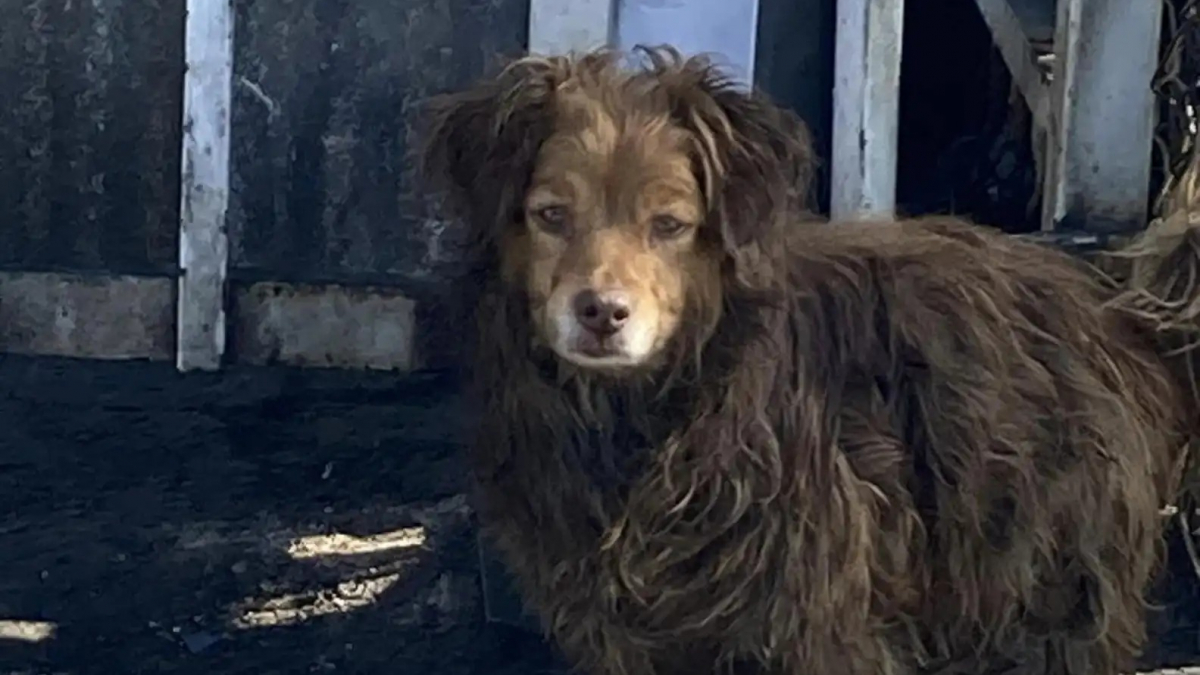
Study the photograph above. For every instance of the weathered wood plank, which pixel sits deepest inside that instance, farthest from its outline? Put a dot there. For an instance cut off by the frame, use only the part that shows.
(866, 101)
(203, 246)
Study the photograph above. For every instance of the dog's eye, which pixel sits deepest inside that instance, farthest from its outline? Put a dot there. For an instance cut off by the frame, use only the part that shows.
(668, 226)
(553, 218)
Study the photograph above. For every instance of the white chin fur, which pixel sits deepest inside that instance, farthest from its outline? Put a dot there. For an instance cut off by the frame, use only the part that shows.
(612, 362)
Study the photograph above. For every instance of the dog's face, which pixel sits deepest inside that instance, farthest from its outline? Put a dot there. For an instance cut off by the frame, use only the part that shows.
(618, 201)
(610, 250)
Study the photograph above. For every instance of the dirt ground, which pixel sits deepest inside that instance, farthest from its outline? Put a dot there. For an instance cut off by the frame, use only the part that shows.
(255, 521)
(262, 521)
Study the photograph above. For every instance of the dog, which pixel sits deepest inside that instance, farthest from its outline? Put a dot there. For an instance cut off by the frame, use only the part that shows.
(720, 435)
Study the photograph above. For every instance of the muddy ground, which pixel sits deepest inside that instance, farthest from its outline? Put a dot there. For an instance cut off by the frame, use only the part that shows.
(261, 521)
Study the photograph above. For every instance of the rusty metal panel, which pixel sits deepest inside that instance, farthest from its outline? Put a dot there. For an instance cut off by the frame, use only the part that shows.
(325, 93)
(322, 326)
(90, 133)
(102, 317)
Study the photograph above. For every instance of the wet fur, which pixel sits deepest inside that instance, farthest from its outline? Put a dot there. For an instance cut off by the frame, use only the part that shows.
(877, 448)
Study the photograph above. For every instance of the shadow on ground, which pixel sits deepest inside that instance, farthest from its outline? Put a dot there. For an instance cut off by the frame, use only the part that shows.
(263, 521)
(255, 521)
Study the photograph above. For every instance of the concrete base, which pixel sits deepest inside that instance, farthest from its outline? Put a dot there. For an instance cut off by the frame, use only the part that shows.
(128, 317)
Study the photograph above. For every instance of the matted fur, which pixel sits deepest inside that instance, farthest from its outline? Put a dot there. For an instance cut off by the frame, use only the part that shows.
(889, 447)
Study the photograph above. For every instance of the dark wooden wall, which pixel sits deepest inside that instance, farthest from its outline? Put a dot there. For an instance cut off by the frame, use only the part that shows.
(90, 109)
(325, 93)
(325, 96)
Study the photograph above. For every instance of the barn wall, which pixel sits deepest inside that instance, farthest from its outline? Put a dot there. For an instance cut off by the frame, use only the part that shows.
(89, 134)
(325, 96)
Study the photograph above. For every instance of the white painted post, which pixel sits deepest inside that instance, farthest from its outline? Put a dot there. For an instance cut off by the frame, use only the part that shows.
(1102, 115)
(203, 245)
(866, 104)
(727, 29)
(563, 26)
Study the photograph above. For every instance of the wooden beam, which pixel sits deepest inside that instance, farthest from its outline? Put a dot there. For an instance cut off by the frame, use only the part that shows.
(1013, 43)
(564, 26)
(203, 244)
(866, 102)
(1102, 115)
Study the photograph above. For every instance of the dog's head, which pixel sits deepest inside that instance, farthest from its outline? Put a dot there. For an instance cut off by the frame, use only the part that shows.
(622, 202)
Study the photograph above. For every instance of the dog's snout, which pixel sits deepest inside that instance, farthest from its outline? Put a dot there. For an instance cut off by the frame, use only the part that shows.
(603, 313)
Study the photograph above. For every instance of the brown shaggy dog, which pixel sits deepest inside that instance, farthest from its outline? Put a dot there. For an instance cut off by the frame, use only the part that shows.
(718, 439)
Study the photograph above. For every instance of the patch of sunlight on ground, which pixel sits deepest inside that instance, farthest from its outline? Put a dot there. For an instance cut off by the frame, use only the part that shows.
(27, 631)
(290, 609)
(336, 543)
(363, 590)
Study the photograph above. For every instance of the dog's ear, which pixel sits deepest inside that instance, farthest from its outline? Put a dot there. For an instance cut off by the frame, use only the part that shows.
(481, 143)
(755, 159)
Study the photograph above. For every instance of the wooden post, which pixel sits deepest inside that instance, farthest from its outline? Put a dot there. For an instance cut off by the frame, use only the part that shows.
(203, 244)
(1102, 115)
(866, 103)
(727, 29)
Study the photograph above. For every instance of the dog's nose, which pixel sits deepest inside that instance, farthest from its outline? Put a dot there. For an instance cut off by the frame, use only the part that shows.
(603, 313)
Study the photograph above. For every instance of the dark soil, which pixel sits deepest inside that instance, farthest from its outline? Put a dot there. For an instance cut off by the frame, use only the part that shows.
(164, 523)
(148, 516)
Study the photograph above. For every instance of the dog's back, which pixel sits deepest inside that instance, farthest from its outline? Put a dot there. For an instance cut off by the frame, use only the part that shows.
(1025, 435)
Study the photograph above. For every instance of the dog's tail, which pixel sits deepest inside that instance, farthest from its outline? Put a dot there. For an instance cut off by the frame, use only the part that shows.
(1161, 288)
(1159, 285)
